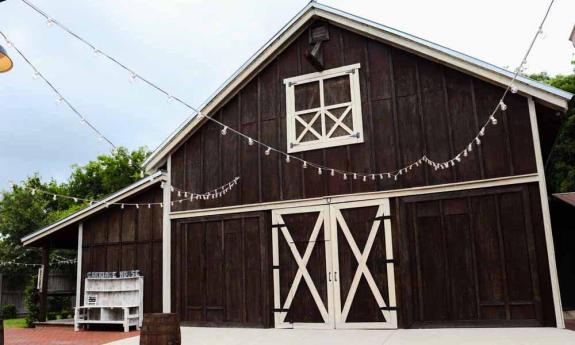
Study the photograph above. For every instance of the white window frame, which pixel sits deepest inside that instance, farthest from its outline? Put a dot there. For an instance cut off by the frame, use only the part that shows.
(324, 139)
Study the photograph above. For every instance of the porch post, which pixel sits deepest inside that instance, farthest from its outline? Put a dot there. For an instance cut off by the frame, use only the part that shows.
(546, 215)
(78, 275)
(45, 273)
(166, 242)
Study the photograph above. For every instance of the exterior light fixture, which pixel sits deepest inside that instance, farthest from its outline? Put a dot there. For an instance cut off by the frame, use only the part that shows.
(5, 61)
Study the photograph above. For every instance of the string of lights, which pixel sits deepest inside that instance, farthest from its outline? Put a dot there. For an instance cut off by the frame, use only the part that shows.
(188, 196)
(321, 169)
(60, 260)
(60, 98)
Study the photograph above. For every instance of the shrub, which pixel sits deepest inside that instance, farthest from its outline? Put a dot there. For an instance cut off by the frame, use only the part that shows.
(32, 302)
(9, 311)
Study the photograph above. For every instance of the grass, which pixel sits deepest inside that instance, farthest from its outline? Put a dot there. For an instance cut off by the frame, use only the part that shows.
(15, 323)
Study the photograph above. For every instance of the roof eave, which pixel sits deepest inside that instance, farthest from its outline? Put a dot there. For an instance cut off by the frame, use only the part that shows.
(85, 212)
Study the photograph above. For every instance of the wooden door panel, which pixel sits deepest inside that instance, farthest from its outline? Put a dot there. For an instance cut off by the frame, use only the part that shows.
(221, 271)
(302, 295)
(473, 257)
(363, 265)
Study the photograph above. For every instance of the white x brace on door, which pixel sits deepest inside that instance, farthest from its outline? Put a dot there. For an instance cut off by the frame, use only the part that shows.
(334, 292)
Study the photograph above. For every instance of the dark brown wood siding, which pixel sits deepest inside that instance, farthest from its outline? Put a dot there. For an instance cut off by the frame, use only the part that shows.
(411, 106)
(128, 239)
(474, 258)
(220, 270)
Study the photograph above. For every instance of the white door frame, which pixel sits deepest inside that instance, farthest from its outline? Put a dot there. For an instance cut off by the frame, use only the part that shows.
(334, 315)
(281, 310)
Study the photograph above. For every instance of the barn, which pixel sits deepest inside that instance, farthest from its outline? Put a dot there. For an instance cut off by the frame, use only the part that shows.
(467, 243)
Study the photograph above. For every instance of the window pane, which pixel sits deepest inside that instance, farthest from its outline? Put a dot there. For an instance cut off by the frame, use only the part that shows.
(336, 90)
(315, 125)
(306, 96)
(339, 130)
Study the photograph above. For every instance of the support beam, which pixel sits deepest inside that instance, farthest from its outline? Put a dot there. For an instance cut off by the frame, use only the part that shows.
(45, 274)
(546, 215)
(166, 242)
(78, 274)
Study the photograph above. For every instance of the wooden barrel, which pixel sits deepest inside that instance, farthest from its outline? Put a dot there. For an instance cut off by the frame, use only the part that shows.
(160, 329)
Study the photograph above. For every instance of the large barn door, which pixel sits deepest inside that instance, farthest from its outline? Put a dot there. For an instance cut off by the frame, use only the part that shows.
(333, 266)
(364, 284)
(302, 268)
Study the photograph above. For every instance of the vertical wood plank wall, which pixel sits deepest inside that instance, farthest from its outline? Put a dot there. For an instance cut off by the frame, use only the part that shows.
(474, 258)
(220, 270)
(411, 106)
(129, 239)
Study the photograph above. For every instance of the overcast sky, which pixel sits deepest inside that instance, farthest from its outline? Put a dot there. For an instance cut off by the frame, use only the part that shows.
(190, 47)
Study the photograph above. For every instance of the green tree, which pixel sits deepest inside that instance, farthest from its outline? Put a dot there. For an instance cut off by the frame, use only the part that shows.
(22, 212)
(560, 168)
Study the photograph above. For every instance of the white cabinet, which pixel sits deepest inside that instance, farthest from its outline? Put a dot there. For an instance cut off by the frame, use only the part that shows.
(112, 301)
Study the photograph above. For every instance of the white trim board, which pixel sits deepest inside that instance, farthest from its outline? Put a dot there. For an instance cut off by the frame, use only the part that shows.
(85, 212)
(546, 215)
(547, 94)
(450, 187)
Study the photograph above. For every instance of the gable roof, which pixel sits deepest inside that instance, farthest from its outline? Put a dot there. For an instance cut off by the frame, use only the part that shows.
(552, 96)
(96, 207)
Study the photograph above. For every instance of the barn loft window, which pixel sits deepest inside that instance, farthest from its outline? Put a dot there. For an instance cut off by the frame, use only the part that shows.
(324, 109)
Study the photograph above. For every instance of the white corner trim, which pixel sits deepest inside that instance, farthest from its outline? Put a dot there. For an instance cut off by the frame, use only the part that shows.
(273, 205)
(546, 215)
(78, 273)
(166, 242)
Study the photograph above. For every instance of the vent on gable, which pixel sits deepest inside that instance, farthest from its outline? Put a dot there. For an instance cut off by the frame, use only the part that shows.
(317, 35)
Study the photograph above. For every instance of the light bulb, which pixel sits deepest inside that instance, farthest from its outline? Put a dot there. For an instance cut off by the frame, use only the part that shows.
(224, 130)
(373, 177)
(319, 172)
(96, 52)
(482, 131)
(287, 159)
(465, 153)
(250, 141)
(59, 100)
(268, 150)
(133, 78)
(54, 197)
(478, 141)
(364, 178)
(503, 106)
(36, 75)
(170, 99)
(149, 206)
(345, 176)
(355, 176)
(305, 165)
(50, 22)
(493, 121)
(513, 89)
(332, 173)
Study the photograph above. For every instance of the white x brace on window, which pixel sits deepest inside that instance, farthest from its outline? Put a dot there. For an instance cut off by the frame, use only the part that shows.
(324, 109)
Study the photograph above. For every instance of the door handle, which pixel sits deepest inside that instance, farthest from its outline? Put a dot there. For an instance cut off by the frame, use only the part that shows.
(329, 276)
(335, 276)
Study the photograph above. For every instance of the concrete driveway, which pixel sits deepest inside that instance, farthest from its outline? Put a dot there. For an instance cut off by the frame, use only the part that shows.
(462, 336)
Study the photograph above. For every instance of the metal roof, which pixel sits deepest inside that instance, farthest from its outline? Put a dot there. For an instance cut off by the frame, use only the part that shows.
(566, 197)
(525, 84)
(89, 210)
